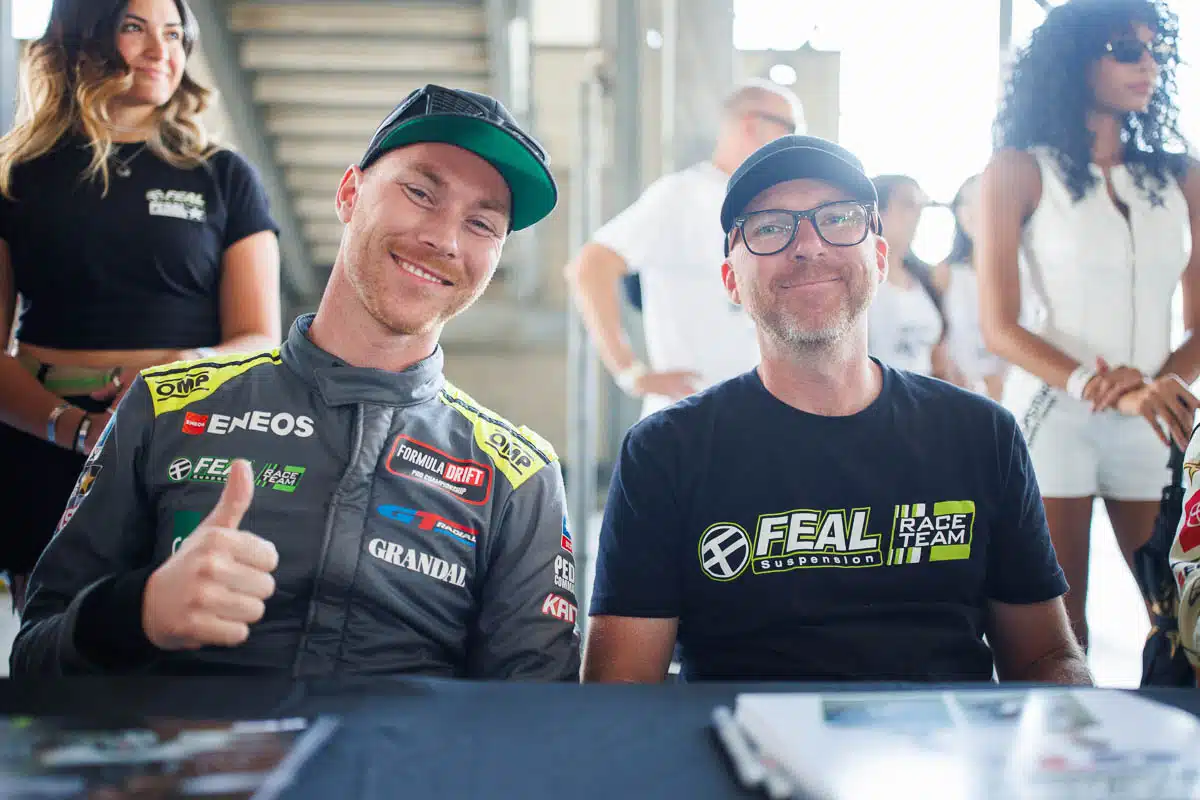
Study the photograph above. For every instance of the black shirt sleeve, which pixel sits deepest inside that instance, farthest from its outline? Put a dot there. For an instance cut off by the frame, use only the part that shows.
(7, 209)
(85, 594)
(108, 623)
(638, 570)
(1022, 565)
(247, 209)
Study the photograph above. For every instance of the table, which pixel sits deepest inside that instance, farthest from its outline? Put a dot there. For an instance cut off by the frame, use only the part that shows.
(426, 738)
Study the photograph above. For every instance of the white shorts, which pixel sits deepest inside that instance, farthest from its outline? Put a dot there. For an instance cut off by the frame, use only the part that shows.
(1077, 453)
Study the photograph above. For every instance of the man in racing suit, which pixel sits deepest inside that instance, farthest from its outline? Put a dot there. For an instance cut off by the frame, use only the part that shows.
(386, 522)
(1185, 555)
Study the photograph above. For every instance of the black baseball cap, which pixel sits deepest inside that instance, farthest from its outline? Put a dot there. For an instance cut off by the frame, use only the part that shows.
(791, 158)
(481, 124)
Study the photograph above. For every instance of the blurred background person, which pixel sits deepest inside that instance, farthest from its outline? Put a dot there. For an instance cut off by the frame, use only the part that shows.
(955, 279)
(907, 326)
(131, 238)
(1088, 192)
(670, 237)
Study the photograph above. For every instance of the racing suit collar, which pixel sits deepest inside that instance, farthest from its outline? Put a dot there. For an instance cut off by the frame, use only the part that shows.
(340, 384)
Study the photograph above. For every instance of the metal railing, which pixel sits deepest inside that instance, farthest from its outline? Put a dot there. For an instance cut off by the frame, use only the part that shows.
(583, 380)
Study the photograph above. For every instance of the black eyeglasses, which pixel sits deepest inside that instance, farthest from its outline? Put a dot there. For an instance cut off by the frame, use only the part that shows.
(1130, 49)
(842, 223)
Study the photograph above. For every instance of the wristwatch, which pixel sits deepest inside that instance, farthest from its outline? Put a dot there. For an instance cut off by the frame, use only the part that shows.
(627, 378)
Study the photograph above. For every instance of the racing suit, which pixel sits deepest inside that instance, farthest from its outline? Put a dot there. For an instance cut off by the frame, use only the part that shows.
(1185, 554)
(417, 531)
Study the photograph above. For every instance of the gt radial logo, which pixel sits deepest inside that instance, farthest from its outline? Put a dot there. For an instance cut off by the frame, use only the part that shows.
(724, 551)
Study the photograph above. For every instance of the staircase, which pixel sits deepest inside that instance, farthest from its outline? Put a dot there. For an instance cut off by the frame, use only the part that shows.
(323, 75)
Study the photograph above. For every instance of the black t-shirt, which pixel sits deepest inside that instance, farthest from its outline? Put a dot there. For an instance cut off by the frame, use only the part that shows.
(793, 546)
(139, 268)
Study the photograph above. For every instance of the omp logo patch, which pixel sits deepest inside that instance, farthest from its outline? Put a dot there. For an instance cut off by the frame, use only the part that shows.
(518, 453)
(724, 551)
(943, 533)
(807, 537)
(175, 386)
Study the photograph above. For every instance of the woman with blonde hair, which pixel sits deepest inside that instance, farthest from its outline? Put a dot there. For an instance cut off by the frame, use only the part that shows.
(129, 238)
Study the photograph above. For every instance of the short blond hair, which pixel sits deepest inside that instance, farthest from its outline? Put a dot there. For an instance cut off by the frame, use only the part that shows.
(754, 91)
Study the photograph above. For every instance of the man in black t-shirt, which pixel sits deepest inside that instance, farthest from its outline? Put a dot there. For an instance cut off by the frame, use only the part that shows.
(824, 517)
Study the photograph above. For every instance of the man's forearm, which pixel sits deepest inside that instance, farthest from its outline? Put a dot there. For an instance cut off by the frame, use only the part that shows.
(1067, 666)
(594, 278)
(101, 630)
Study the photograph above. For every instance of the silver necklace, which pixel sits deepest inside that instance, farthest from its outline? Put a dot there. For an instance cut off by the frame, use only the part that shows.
(123, 170)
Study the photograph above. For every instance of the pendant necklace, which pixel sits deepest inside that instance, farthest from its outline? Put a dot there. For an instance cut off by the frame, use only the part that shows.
(122, 170)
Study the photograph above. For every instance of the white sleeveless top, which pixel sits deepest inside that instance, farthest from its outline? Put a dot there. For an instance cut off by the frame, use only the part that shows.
(903, 327)
(1103, 284)
(964, 340)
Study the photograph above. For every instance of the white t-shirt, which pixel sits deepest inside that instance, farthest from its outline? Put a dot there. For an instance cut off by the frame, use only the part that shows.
(903, 327)
(672, 237)
(964, 340)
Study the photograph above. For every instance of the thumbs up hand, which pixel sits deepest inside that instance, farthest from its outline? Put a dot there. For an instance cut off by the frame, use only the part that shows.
(212, 589)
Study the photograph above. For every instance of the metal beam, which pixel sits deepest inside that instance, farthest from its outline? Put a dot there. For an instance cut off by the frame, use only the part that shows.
(1006, 26)
(625, 42)
(220, 47)
(8, 67)
(510, 61)
(583, 387)
(627, 103)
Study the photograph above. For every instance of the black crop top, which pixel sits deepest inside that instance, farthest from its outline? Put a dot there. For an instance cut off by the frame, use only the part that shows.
(137, 269)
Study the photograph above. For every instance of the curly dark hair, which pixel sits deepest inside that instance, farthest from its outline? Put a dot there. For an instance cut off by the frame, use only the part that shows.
(1047, 96)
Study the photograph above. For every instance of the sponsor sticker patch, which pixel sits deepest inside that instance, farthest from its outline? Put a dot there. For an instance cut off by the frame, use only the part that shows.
(560, 608)
(567, 543)
(1189, 534)
(416, 561)
(428, 521)
(469, 481)
(564, 574)
(207, 469)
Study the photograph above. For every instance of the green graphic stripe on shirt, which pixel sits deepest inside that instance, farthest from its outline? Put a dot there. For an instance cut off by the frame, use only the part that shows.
(920, 537)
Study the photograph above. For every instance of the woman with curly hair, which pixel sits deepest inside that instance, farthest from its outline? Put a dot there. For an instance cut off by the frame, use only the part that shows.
(1091, 209)
(129, 238)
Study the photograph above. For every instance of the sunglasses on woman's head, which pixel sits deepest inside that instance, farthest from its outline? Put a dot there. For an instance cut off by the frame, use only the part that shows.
(1129, 50)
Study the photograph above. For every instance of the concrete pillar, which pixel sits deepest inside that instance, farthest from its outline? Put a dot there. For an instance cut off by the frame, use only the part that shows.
(8, 66)
(698, 71)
